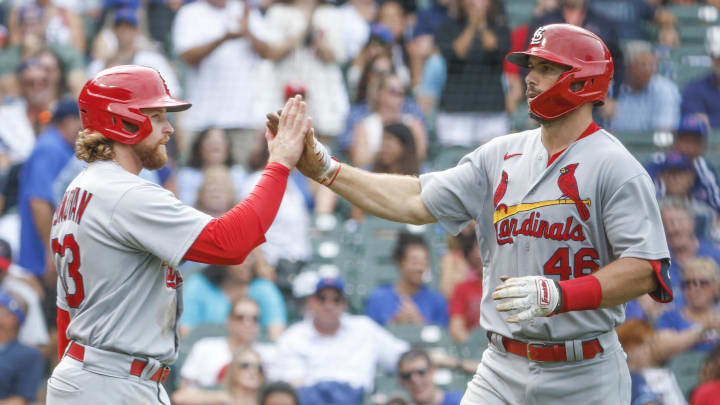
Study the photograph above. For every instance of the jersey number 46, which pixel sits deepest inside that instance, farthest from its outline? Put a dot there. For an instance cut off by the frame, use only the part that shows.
(73, 269)
(584, 263)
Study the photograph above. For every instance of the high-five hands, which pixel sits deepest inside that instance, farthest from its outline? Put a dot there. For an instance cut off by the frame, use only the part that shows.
(287, 141)
(315, 162)
(535, 296)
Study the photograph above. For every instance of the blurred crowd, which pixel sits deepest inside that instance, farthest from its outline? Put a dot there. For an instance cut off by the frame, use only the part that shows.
(393, 86)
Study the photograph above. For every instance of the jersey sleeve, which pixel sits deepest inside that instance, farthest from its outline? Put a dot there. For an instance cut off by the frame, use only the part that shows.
(150, 218)
(632, 221)
(634, 229)
(456, 195)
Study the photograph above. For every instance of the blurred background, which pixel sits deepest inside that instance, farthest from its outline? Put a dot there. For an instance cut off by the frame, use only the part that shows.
(390, 88)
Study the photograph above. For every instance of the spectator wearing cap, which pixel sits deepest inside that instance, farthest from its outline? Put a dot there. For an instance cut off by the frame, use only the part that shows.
(646, 101)
(701, 95)
(408, 300)
(331, 355)
(21, 366)
(691, 140)
(33, 40)
(51, 153)
(132, 48)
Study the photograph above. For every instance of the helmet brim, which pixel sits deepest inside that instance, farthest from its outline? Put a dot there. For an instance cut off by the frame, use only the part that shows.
(521, 58)
(170, 104)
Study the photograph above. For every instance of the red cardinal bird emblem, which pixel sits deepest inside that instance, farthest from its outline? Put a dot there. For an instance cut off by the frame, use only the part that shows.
(569, 188)
(500, 190)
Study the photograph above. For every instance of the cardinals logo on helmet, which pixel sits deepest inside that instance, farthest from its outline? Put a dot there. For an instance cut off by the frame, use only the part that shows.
(568, 185)
(537, 36)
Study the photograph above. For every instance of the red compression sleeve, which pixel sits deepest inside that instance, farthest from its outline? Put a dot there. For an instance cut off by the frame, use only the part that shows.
(580, 293)
(63, 320)
(230, 238)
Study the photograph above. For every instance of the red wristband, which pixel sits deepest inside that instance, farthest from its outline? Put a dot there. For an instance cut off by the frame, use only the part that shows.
(580, 293)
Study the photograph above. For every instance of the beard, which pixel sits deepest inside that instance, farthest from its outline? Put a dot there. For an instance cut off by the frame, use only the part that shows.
(152, 157)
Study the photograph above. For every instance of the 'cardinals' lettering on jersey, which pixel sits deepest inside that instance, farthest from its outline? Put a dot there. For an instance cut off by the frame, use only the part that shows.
(593, 204)
(117, 242)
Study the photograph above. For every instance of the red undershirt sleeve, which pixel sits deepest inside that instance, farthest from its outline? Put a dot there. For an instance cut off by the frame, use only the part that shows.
(230, 238)
(63, 320)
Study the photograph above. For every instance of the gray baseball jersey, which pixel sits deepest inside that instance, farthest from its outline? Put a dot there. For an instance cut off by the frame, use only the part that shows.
(117, 241)
(593, 204)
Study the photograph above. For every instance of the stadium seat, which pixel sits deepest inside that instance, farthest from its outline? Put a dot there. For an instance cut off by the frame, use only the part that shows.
(686, 367)
(187, 342)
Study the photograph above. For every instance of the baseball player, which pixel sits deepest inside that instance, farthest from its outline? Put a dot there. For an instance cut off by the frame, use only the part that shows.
(118, 240)
(567, 222)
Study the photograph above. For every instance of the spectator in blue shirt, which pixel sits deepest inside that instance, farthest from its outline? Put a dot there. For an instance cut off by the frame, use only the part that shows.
(21, 367)
(51, 153)
(691, 140)
(208, 296)
(408, 300)
(697, 325)
(684, 245)
(646, 101)
(415, 372)
(702, 95)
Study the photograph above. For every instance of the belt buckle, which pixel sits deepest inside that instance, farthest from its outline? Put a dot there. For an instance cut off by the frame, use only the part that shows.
(533, 344)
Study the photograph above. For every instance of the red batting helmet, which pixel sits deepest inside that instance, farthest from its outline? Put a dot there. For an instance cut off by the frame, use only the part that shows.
(584, 53)
(117, 94)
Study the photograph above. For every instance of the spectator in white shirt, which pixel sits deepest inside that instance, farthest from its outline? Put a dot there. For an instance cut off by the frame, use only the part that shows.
(217, 40)
(331, 353)
(209, 357)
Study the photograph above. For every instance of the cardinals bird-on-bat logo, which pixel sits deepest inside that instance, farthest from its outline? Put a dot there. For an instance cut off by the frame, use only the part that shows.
(568, 186)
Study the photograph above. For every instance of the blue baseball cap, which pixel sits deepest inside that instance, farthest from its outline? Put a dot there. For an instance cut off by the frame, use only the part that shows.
(694, 124)
(65, 108)
(8, 302)
(126, 15)
(381, 32)
(332, 282)
(675, 160)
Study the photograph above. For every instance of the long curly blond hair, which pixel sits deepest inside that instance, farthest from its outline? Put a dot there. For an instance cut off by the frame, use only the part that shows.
(92, 145)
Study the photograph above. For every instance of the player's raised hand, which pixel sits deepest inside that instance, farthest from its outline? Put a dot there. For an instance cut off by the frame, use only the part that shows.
(534, 296)
(287, 143)
(316, 162)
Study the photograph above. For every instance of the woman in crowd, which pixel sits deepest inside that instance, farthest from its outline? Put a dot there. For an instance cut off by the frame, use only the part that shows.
(211, 147)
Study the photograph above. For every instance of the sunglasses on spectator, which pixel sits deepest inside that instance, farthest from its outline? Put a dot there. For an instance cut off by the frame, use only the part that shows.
(407, 376)
(242, 317)
(700, 282)
(395, 92)
(245, 365)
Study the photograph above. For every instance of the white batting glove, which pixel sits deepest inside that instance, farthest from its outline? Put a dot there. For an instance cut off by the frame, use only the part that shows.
(534, 296)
